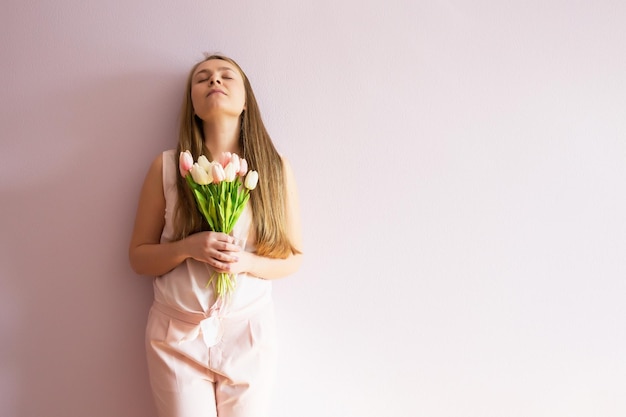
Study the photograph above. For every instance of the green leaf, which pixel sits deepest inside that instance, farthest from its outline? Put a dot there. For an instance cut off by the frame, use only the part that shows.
(221, 223)
(212, 214)
(201, 202)
(228, 211)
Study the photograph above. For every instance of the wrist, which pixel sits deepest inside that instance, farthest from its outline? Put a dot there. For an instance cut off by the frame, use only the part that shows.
(181, 249)
(245, 262)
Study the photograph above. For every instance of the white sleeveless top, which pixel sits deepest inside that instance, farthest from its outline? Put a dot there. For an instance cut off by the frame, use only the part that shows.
(184, 288)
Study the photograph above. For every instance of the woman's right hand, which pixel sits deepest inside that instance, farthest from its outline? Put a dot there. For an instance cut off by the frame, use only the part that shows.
(214, 248)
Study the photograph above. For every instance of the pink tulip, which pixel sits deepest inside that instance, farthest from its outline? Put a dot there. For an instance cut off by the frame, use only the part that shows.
(225, 158)
(243, 168)
(235, 161)
(185, 162)
(218, 173)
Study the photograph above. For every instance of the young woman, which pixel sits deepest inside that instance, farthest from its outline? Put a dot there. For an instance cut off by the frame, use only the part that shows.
(206, 356)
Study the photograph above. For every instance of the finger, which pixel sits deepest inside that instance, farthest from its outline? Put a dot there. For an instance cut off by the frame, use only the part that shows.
(220, 267)
(223, 263)
(225, 257)
(229, 247)
(223, 237)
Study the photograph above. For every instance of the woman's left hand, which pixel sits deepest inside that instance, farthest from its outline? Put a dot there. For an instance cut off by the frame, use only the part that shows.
(243, 264)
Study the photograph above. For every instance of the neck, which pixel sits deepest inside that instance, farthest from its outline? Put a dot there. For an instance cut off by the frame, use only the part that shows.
(221, 135)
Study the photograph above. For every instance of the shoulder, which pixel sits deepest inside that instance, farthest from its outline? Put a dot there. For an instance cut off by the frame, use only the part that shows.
(168, 157)
(169, 153)
(163, 164)
(156, 167)
(163, 158)
(288, 174)
(168, 167)
(286, 165)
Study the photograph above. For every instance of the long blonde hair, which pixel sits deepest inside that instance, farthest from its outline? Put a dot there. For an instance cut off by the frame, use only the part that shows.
(267, 201)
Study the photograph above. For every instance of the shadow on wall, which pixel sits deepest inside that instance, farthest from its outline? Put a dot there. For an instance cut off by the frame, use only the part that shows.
(73, 312)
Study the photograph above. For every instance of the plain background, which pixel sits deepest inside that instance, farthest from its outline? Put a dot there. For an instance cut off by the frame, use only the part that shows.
(461, 167)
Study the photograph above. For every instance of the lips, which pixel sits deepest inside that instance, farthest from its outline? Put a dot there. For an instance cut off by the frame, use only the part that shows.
(215, 91)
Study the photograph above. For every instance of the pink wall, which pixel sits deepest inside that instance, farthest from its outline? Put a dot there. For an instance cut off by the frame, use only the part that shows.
(461, 168)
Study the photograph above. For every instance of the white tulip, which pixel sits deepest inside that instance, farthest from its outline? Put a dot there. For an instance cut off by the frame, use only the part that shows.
(199, 175)
(204, 163)
(252, 180)
(230, 172)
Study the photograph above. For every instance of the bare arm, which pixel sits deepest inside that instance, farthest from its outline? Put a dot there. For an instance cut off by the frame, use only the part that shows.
(150, 257)
(270, 268)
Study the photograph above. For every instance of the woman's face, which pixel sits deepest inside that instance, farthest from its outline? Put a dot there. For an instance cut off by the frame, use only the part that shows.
(217, 89)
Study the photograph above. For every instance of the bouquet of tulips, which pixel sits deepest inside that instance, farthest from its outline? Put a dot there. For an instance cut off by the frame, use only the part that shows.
(221, 189)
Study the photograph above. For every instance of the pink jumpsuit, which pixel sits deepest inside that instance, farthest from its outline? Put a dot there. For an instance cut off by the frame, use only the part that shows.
(208, 358)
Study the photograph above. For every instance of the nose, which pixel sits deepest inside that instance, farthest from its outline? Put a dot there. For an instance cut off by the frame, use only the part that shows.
(215, 80)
